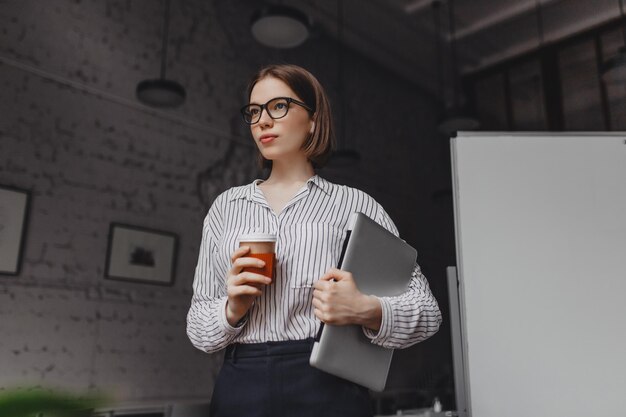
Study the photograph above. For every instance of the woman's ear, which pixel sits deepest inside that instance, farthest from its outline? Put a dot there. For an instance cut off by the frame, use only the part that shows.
(312, 127)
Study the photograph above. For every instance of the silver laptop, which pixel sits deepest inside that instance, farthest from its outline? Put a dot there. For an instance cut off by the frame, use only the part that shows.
(381, 264)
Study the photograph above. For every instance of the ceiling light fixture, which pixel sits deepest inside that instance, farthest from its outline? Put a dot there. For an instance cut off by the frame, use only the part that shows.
(279, 26)
(161, 92)
(614, 69)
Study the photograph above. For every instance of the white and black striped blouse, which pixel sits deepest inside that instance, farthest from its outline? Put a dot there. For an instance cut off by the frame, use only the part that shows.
(310, 231)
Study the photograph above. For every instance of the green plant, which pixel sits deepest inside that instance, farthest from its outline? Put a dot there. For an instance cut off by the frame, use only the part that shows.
(46, 403)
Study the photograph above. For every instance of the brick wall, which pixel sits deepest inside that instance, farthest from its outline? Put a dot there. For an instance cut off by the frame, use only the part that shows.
(72, 132)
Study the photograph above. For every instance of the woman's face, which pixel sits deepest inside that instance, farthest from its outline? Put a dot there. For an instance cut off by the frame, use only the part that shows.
(282, 138)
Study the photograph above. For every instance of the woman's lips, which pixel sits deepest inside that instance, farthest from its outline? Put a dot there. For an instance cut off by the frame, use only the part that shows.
(267, 139)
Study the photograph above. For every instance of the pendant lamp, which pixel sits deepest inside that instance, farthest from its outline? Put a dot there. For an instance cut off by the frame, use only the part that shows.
(161, 92)
(457, 117)
(614, 69)
(279, 26)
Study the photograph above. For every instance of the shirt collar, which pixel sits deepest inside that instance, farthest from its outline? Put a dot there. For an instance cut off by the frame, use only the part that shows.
(249, 191)
(321, 183)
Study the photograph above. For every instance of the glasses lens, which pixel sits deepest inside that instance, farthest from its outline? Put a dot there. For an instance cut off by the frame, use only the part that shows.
(277, 108)
(251, 113)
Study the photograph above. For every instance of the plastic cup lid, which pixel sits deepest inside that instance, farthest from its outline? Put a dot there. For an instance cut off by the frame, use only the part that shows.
(258, 237)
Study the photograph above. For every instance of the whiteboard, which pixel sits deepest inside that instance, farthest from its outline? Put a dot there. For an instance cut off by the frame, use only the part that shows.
(541, 248)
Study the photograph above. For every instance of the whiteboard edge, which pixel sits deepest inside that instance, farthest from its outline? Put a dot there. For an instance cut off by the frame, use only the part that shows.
(469, 134)
(457, 340)
(459, 270)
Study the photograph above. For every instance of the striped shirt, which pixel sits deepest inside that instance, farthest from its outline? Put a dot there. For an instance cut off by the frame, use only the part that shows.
(310, 231)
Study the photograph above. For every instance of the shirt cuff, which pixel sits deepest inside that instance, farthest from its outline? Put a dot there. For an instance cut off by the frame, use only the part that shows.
(384, 332)
(228, 329)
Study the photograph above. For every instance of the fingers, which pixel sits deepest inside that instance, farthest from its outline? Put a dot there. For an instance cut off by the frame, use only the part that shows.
(336, 301)
(318, 303)
(334, 274)
(245, 283)
(321, 310)
(322, 285)
(323, 303)
(235, 291)
(330, 274)
(325, 299)
(326, 316)
(248, 278)
(239, 253)
(320, 316)
(330, 312)
(242, 286)
(245, 262)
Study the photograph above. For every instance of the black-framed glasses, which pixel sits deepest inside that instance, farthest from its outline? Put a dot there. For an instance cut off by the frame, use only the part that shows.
(276, 108)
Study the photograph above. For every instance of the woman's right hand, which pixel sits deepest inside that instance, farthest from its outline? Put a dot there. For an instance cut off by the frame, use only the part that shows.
(243, 287)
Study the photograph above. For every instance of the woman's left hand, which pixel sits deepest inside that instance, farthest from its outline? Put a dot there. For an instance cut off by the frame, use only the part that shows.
(338, 301)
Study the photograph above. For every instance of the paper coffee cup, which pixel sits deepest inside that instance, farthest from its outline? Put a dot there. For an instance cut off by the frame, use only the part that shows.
(262, 246)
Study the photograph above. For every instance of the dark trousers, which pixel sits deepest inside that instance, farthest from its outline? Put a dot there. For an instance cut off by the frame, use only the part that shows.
(275, 379)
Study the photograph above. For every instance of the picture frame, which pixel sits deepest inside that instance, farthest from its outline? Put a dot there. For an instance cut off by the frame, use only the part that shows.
(141, 255)
(14, 214)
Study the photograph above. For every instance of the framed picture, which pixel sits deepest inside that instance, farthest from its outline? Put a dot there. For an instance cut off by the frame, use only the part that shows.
(14, 208)
(141, 255)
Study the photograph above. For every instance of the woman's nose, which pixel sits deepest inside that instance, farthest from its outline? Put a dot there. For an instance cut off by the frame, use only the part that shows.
(265, 119)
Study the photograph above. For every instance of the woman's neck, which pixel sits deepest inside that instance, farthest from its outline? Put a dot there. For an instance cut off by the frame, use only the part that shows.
(290, 172)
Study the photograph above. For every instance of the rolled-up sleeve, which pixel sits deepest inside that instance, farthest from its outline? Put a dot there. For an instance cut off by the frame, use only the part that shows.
(410, 317)
(207, 326)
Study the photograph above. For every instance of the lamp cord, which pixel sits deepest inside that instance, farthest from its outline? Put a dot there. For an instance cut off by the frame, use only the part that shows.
(453, 49)
(166, 29)
(539, 22)
(340, 72)
(621, 14)
(437, 22)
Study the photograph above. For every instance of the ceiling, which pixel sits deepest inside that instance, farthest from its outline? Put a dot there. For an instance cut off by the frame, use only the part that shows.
(401, 34)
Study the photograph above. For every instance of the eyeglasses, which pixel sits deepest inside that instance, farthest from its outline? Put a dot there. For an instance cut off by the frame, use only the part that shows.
(276, 108)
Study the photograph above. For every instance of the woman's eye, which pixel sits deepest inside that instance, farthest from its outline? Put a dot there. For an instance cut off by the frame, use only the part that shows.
(253, 111)
(280, 106)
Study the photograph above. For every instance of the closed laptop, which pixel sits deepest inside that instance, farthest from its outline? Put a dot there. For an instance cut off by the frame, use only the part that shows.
(381, 264)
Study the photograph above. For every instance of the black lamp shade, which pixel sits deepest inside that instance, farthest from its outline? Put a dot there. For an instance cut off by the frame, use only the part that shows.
(458, 120)
(160, 93)
(280, 26)
(460, 123)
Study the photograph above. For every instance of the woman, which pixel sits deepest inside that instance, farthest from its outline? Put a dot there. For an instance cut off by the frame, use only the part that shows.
(267, 326)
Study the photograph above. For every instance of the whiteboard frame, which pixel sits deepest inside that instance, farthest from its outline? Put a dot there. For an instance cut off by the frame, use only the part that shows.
(461, 279)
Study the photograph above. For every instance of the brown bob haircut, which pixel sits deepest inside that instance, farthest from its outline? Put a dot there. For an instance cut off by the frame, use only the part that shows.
(320, 144)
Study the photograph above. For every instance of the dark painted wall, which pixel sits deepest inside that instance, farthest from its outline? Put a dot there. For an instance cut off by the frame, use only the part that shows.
(72, 132)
